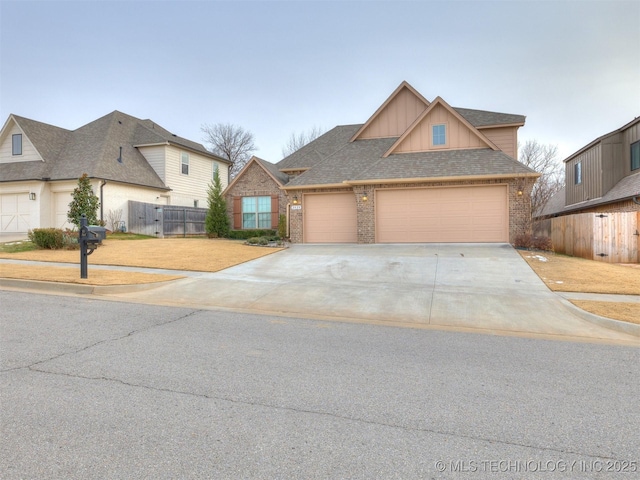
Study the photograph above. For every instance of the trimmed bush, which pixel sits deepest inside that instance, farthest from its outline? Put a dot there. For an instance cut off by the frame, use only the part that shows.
(49, 238)
(523, 241)
(543, 243)
(282, 226)
(246, 234)
(258, 241)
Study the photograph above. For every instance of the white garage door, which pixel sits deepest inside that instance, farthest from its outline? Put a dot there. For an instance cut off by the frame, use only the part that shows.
(442, 215)
(15, 215)
(330, 218)
(61, 201)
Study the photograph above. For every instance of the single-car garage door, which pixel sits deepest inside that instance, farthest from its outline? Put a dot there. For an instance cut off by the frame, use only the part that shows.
(442, 215)
(15, 215)
(330, 218)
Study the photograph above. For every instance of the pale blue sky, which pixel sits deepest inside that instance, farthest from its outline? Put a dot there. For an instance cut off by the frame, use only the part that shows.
(275, 67)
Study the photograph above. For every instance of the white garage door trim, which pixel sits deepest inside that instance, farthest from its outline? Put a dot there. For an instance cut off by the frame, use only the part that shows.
(330, 218)
(457, 214)
(15, 212)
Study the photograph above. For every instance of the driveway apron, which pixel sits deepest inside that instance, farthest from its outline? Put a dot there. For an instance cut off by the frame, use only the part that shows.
(488, 287)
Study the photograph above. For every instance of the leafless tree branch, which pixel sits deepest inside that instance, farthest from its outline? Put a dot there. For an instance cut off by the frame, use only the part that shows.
(231, 142)
(298, 140)
(544, 160)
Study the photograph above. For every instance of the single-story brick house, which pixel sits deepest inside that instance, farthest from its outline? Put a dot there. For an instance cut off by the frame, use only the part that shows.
(415, 171)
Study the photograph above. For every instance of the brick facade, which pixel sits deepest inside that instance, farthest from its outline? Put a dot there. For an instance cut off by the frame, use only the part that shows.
(255, 182)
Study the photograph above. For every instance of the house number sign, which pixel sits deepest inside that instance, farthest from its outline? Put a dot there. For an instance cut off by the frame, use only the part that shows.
(296, 207)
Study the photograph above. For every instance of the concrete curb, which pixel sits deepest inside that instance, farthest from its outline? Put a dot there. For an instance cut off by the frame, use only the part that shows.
(80, 289)
(617, 325)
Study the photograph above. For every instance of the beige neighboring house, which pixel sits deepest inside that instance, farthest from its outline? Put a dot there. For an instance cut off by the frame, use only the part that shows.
(126, 159)
(416, 171)
(603, 176)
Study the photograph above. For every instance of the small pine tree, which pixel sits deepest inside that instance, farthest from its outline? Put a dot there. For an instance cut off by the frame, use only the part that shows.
(216, 222)
(84, 201)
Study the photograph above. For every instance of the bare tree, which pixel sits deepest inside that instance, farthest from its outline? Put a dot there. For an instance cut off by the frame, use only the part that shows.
(299, 140)
(231, 142)
(544, 160)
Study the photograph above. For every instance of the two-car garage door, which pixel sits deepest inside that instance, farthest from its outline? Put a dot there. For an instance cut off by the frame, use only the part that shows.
(465, 214)
(442, 215)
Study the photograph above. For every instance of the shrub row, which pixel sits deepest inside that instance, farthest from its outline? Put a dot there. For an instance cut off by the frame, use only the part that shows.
(538, 243)
(53, 238)
(246, 234)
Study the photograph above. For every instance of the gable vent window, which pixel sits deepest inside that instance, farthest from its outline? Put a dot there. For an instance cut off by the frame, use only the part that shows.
(577, 173)
(16, 144)
(185, 163)
(635, 155)
(439, 135)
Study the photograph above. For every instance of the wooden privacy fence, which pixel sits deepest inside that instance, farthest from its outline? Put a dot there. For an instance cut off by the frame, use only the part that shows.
(165, 220)
(608, 237)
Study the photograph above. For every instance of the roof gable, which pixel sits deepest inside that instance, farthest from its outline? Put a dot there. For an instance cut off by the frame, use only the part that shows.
(460, 134)
(393, 117)
(269, 168)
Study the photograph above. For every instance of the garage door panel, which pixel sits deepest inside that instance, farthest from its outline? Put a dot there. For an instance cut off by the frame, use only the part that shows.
(15, 212)
(330, 218)
(460, 214)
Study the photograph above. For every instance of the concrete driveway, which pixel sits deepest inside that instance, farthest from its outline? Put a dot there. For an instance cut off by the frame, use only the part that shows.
(463, 286)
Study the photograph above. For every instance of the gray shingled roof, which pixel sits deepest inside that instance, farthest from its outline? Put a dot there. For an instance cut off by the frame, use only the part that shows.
(94, 149)
(320, 148)
(626, 188)
(283, 178)
(444, 163)
(346, 163)
(483, 118)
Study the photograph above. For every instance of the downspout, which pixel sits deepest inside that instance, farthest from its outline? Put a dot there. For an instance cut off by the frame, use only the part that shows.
(104, 182)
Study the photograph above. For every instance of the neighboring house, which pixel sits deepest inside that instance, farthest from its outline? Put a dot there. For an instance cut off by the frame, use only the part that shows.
(416, 171)
(126, 159)
(603, 176)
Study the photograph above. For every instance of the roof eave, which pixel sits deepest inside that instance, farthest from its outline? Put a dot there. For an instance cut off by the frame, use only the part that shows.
(441, 179)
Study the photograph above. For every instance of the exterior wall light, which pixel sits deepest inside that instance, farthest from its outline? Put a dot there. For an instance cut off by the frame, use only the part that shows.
(365, 198)
(295, 200)
(32, 196)
(519, 192)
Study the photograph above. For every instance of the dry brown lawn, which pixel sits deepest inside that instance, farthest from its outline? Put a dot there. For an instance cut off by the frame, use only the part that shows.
(192, 254)
(571, 274)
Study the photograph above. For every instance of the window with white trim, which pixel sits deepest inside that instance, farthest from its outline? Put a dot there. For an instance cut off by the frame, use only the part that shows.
(16, 144)
(577, 173)
(184, 161)
(256, 212)
(439, 134)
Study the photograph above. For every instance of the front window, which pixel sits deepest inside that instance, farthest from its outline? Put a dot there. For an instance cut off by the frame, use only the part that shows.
(635, 155)
(185, 163)
(439, 135)
(16, 144)
(215, 170)
(256, 212)
(577, 173)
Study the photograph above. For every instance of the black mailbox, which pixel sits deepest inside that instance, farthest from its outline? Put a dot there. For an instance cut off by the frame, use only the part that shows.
(89, 237)
(99, 232)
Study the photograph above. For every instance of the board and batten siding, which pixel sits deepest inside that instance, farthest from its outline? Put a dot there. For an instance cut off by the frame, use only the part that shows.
(629, 136)
(505, 138)
(591, 185)
(396, 116)
(29, 153)
(458, 135)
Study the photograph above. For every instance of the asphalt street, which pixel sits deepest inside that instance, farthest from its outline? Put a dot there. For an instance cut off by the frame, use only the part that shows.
(102, 389)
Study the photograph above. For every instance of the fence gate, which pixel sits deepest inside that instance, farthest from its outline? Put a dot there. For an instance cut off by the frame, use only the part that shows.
(613, 237)
(145, 218)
